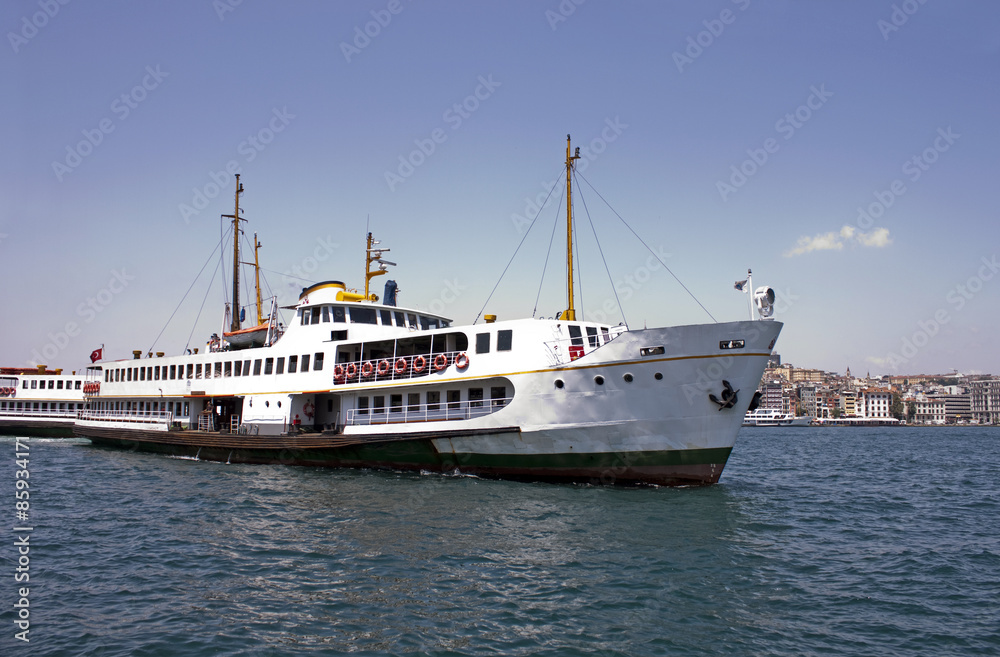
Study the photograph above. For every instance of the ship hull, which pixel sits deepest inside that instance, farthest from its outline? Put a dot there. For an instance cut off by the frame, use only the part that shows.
(424, 453)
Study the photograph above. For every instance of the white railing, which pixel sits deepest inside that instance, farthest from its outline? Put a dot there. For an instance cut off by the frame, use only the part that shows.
(566, 350)
(127, 418)
(406, 413)
(40, 415)
(393, 368)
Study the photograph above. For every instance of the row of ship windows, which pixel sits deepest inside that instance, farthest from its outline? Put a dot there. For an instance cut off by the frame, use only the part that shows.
(179, 409)
(498, 397)
(53, 385)
(365, 315)
(40, 406)
(217, 370)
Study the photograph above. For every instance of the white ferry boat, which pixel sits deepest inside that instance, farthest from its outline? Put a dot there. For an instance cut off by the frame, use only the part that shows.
(39, 401)
(352, 382)
(770, 417)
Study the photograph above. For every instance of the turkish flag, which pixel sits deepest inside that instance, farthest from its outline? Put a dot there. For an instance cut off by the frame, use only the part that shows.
(96, 355)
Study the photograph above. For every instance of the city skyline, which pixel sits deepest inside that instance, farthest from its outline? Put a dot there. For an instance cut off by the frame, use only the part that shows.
(842, 151)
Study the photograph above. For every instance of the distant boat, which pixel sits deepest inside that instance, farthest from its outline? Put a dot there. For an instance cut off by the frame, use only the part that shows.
(771, 417)
(41, 402)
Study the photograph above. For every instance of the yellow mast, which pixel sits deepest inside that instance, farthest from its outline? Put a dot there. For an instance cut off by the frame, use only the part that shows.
(369, 259)
(256, 268)
(570, 312)
(235, 216)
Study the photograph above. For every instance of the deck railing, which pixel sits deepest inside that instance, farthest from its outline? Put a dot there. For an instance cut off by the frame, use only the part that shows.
(127, 418)
(66, 413)
(406, 413)
(566, 350)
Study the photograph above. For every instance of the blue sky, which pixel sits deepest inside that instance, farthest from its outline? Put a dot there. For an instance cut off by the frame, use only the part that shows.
(845, 151)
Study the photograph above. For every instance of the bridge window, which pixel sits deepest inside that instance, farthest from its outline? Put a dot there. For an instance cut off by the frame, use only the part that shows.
(475, 397)
(339, 315)
(361, 315)
(326, 314)
(386, 317)
(504, 339)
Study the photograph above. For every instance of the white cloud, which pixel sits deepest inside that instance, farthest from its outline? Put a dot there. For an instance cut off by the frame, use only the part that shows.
(834, 241)
(877, 238)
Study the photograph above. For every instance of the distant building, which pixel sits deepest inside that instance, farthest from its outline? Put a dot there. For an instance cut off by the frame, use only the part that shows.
(984, 401)
(849, 403)
(930, 409)
(875, 403)
(807, 398)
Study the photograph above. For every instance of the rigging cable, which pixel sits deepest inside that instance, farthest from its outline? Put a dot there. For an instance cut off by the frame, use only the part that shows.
(601, 251)
(212, 255)
(195, 324)
(691, 294)
(548, 253)
(515, 253)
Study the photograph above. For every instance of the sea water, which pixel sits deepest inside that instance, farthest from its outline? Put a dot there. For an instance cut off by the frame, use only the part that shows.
(817, 541)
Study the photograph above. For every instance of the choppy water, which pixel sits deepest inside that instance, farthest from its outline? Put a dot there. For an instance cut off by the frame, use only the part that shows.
(835, 541)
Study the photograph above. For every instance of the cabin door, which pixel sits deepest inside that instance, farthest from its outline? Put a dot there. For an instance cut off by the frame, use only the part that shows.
(227, 410)
(327, 412)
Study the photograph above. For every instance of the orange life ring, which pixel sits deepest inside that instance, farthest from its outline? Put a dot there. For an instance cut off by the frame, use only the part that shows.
(461, 361)
(383, 367)
(440, 362)
(400, 366)
(367, 368)
(419, 364)
(338, 372)
(352, 369)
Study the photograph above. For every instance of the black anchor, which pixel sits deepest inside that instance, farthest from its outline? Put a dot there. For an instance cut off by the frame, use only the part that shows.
(728, 396)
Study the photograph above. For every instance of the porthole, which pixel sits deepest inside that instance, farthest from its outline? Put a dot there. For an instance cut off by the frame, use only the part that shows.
(267, 404)
(599, 380)
(279, 404)
(658, 376)
(559, 383)
(627, 377)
